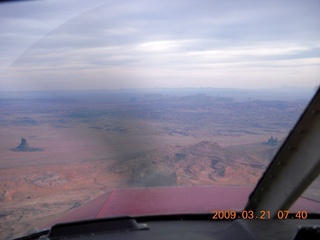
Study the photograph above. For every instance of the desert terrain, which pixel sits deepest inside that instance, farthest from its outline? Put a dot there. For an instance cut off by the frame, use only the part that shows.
(85, 143)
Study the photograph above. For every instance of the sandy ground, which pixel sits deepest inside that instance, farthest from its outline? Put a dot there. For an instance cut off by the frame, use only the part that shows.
(83, 157)
(73, 168)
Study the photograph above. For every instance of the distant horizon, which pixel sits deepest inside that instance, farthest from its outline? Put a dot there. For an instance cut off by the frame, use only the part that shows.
(123, 95)
(287, 88)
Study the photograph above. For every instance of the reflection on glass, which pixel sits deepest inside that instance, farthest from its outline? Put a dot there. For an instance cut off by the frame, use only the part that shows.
(145, 94)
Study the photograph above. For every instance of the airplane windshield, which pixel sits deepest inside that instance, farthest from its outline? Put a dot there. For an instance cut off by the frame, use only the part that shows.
(97, 96)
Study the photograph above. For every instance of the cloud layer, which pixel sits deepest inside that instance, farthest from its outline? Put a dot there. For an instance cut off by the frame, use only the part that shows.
(137, 44)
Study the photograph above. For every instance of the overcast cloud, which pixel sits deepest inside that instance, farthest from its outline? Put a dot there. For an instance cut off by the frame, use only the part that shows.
(125, 44)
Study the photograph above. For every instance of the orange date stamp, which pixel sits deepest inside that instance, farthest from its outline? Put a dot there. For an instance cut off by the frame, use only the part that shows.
(263, 215)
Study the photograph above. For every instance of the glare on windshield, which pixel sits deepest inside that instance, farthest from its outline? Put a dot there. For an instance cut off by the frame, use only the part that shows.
(145, 94)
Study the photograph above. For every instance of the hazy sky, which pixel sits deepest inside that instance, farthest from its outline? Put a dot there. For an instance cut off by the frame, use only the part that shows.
(123, 44)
